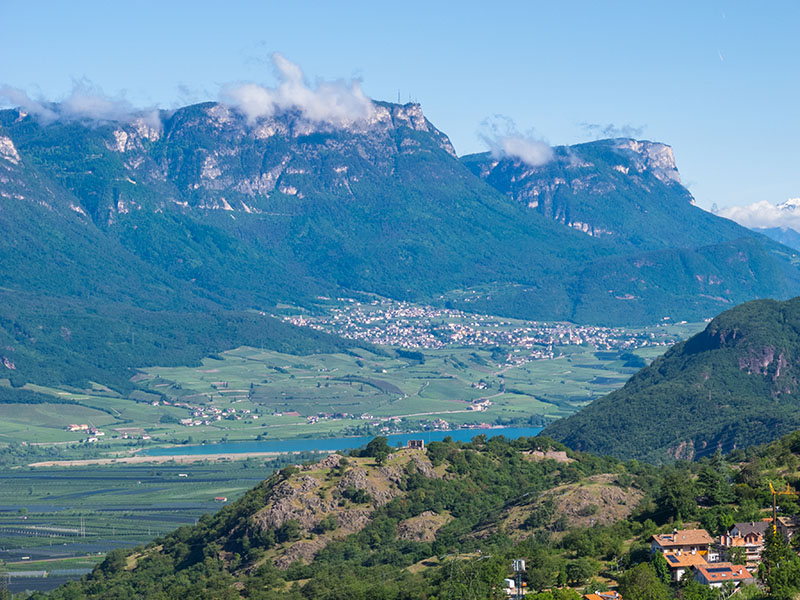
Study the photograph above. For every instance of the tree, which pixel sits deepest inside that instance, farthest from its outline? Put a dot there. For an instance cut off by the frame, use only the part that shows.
(566, 594)
(543, 570)
(737, 555)
(713, 483)
(780, 567)
(329, 523)
(660, 567)
(677, 497)
(289, 531)
(694, 590)
(378, 448)
(642, 583)
(579, 571)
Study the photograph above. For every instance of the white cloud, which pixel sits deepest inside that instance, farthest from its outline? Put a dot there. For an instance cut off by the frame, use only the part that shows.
(20, 99)
(765, 214)
(337, 102)
(500, 134)
(86, 101)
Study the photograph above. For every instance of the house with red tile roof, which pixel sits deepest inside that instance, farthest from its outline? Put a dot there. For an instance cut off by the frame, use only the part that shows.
(679, 562)
(752, 543)
(716, 574)
(685, 540)
(603, 596)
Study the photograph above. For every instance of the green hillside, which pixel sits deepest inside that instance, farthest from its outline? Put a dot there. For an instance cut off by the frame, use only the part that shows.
(394, 525)
(733, 385)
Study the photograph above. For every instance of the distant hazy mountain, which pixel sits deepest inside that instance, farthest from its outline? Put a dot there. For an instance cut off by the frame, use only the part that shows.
(780, 221)
(201, 209)
(731, 386)
(785, 235)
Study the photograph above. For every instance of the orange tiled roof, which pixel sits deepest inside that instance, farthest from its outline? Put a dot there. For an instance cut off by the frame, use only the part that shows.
(684, 559)
(684, 537)
(714, 572)
(603, 596)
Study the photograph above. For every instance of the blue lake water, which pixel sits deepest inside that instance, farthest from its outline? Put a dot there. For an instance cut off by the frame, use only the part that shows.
(345, 443)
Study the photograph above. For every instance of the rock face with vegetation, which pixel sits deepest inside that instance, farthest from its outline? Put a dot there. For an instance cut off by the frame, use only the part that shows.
(730, 386)
(109, 227)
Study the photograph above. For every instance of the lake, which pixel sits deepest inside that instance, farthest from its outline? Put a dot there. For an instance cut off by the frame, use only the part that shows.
(332, 444)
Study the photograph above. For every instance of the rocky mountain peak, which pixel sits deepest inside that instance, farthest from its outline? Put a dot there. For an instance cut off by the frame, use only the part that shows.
(215, 157)
(656, 157)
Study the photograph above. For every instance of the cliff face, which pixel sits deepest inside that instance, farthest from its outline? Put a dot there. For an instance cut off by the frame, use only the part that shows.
(211, 157)
(624, 190)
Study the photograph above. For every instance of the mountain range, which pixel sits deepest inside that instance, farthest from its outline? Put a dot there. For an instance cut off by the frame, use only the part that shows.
(202, 210)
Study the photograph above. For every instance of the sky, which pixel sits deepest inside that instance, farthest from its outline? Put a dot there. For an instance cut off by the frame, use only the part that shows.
(718, 81)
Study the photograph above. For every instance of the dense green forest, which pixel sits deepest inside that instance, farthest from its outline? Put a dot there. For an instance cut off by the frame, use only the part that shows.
(66, 342)
(481, 504)
(730, 386)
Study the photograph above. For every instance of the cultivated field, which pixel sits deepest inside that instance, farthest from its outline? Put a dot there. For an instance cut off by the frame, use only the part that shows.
(250, 394)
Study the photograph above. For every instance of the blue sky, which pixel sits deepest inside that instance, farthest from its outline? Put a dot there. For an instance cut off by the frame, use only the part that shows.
(719, 81)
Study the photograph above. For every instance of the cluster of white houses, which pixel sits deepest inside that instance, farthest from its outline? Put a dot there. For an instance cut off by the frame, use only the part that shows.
(711, 561)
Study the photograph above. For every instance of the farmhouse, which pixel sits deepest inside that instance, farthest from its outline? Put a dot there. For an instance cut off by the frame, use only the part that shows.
(788, 526)
(745, 529)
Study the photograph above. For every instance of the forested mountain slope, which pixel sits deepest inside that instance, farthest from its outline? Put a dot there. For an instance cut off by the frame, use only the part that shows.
(733, 385)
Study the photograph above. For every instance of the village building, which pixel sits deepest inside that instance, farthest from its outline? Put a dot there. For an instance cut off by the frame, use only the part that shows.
(416, 444)
(748, 536)
(744, 529)
(679, 562)
(603, 596)
(752, 545)
(685, 540)
(788, 526)
(716, 574)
